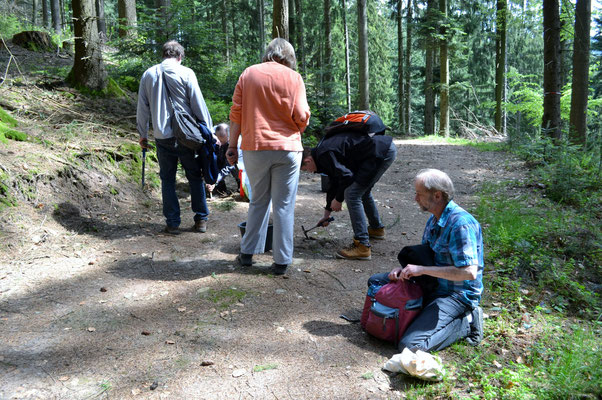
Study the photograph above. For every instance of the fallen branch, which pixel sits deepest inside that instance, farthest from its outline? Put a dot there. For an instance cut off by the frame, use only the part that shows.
(333, 276)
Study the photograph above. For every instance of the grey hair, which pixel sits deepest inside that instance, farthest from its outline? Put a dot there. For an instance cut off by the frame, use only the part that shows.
(173, 49)
(436, 180)
(282, 52)
(222, 129)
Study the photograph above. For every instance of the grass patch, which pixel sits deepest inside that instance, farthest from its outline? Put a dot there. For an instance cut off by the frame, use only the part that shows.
(265, 367)
(225, 206)
(225, 297)
(6, 198)
(538, 242)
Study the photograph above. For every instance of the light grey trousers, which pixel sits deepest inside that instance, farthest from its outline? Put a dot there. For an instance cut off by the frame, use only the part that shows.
(274, 178)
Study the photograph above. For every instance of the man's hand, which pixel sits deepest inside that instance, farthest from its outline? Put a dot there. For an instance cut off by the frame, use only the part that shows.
(143, 143)
(395, 275)
(336, 205)
(232, 155)
(411, 270)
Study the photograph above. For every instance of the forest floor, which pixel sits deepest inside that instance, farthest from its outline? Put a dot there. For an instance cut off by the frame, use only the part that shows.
(95, 302)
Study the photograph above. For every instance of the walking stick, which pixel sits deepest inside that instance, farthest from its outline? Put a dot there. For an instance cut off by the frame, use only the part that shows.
(143, 163)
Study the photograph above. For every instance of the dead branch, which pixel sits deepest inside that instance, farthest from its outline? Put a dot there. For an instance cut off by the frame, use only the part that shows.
(333, 276)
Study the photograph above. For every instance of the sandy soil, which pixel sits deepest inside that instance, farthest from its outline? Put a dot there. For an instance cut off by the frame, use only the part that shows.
(108, 306)
(96, 303)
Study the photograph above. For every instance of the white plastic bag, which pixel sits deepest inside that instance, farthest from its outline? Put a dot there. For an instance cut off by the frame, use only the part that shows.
(420, 365)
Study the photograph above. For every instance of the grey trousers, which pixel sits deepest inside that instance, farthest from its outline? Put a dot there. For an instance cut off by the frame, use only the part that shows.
(274, 177)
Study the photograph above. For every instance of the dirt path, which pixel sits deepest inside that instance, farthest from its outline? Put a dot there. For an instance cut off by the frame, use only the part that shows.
(101, 305)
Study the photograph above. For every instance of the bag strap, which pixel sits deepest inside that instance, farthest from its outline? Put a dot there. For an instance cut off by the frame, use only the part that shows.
(173, 106)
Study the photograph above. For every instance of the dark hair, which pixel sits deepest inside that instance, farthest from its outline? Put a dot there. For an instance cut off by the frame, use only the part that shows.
(173, 49)
(306, 152)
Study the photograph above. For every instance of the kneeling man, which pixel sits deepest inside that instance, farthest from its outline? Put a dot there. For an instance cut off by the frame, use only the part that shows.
(452, 310)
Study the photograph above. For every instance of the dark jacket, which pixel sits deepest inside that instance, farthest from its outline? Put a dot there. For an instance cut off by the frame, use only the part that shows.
(348, 158)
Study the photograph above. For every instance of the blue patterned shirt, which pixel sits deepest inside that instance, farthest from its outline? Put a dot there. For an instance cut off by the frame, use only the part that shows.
(457, 240)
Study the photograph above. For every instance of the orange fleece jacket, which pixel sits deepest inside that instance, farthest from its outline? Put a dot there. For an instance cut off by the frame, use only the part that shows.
(270, 105)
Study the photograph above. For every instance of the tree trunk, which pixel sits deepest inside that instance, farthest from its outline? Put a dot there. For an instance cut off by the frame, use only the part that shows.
(408, 80)
(580, 86)
(55, 10)
(347, 73)
(400, 75)
(128, 19)
(326, 66)
(163, 17)
(292, 22)
(444, 95)
(280, 19)
(35, 6)
(261, 12)
(500, 64)
(45, 19)
(364, 82)
(102, 24)
(300, 36)
(225, 31)
(429, 92)
(551, 73)
(565, 56)
(88, 69)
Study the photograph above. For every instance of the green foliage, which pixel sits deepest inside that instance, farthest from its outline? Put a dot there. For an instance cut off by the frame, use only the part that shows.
(219, 111)
(9, 25)
(543, 244)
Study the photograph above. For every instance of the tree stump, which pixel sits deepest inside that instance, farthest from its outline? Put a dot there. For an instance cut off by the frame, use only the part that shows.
(34, 40)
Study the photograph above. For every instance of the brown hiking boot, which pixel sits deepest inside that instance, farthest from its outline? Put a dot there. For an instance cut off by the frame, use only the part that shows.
(200, 226)
(376, 233)
(356, 251)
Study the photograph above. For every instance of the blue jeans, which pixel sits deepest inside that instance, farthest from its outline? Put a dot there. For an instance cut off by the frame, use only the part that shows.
(360, 202)
(274, 178)
(168, 154)
(442, 322)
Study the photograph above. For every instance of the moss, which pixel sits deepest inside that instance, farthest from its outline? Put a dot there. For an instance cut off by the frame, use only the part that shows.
(112, 89)
(7, 133)
(7, 119)
(7, 122)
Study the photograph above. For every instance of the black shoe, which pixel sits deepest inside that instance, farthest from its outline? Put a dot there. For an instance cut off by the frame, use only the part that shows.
(476, 327)
(279, 269)
(245, 260)
(172, 230)
(200, 226)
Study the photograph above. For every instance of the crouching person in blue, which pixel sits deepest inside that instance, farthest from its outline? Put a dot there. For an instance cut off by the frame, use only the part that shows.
(451, 310)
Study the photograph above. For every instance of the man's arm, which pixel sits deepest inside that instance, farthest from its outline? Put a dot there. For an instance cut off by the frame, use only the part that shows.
(451, 273)
(142, 111)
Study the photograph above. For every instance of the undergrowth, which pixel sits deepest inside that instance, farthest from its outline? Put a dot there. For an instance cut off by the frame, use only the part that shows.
(543, 242)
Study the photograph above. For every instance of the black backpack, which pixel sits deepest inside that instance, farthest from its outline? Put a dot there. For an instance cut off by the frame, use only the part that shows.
(362, 122)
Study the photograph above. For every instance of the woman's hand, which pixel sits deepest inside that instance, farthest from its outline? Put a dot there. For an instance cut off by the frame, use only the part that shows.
(232, 155)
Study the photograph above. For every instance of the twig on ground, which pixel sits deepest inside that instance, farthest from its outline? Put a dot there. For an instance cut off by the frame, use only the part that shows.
(333, 276)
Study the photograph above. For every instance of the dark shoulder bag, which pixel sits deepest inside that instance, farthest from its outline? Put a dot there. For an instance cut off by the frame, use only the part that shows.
(186, 129)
